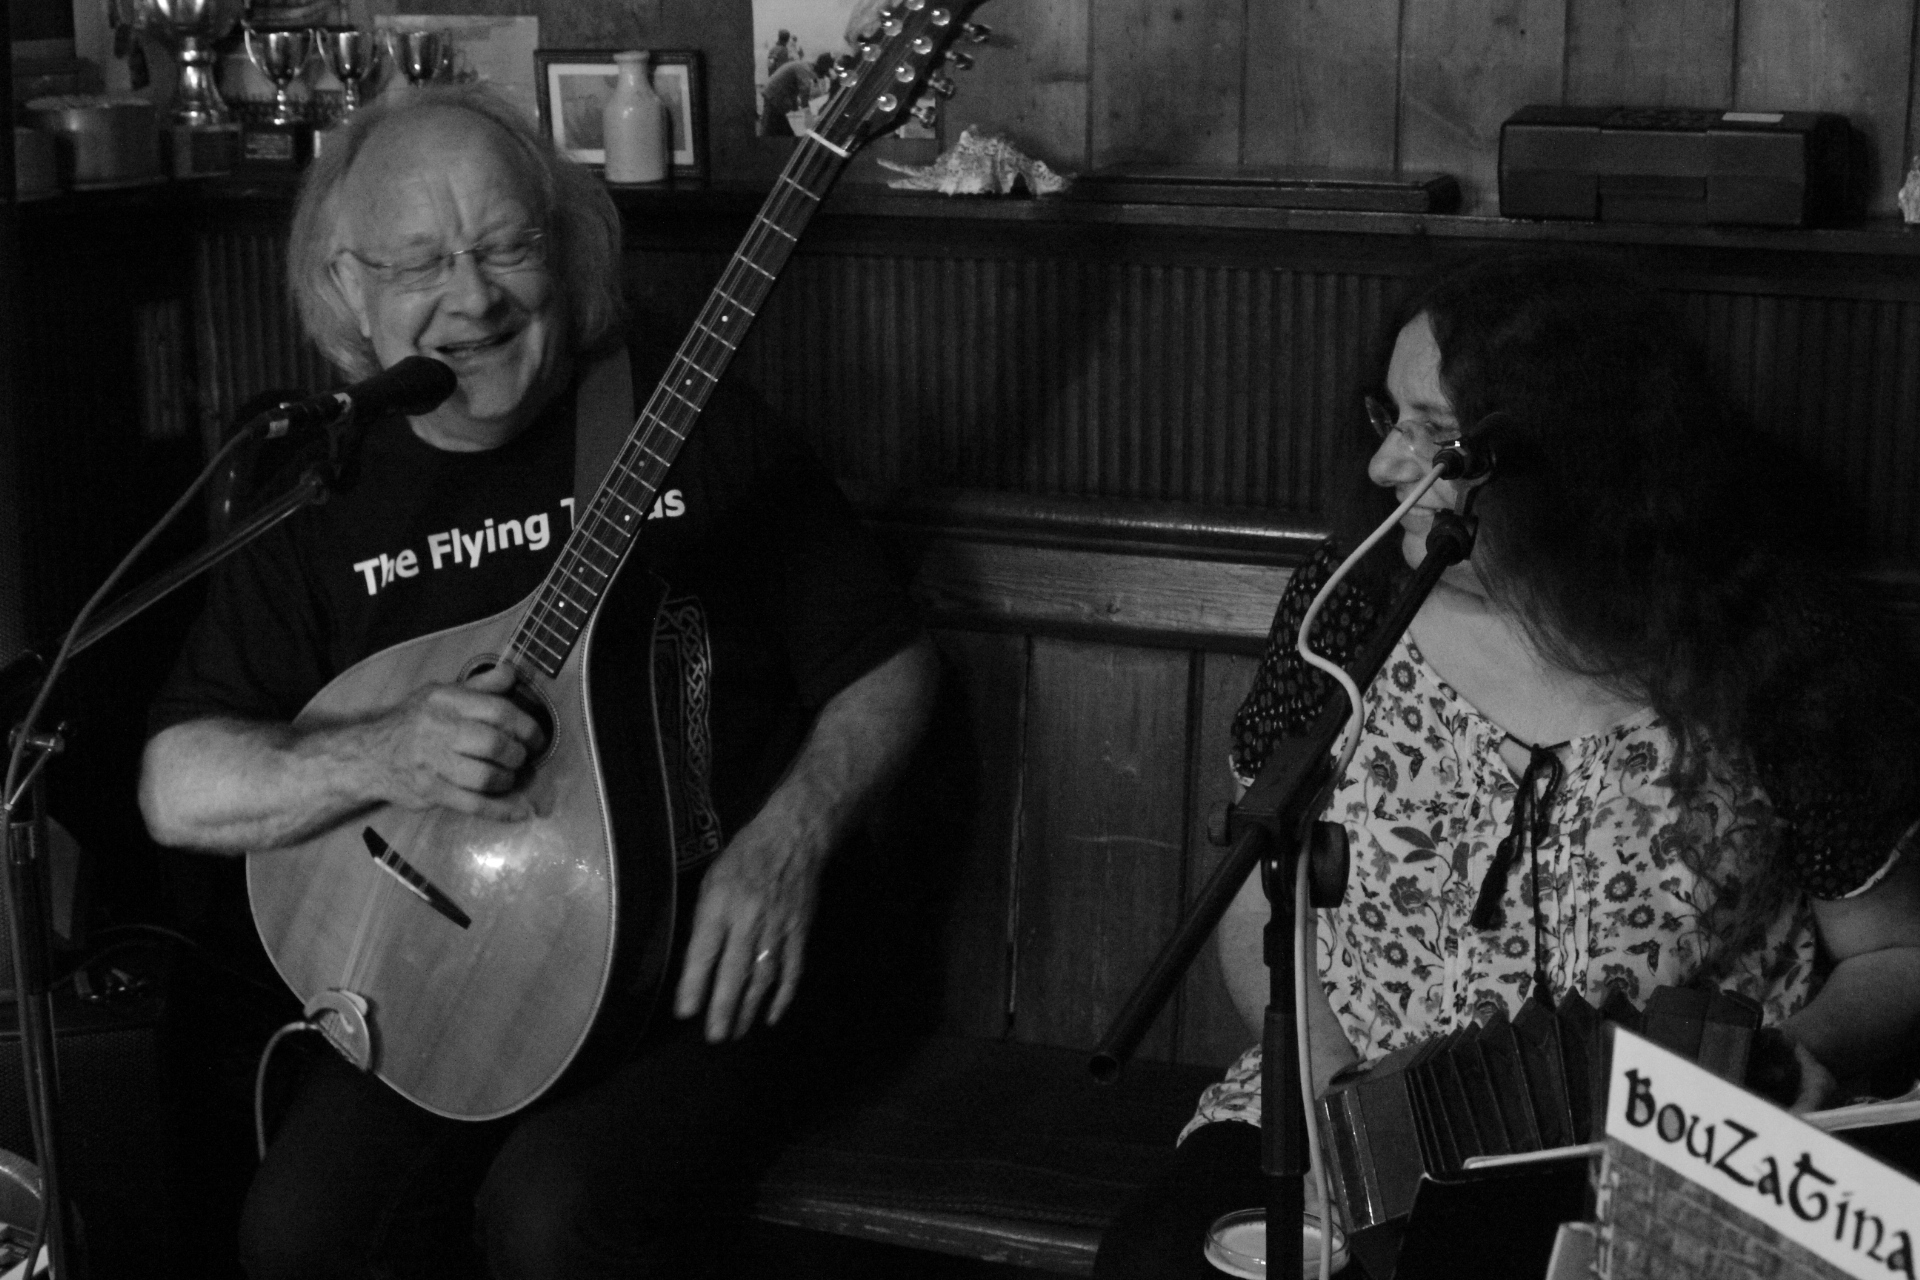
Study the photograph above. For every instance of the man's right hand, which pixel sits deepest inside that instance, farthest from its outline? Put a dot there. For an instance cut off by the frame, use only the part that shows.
(241, 786)
(458, 745)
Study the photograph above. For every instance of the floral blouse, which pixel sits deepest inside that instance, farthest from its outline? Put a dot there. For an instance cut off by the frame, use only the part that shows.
(1629, 875)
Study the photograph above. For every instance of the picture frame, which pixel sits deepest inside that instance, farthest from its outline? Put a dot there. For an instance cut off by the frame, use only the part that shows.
(572, 87)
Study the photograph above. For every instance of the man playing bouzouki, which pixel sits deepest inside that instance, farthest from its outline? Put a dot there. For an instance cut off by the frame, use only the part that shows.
(787, 673)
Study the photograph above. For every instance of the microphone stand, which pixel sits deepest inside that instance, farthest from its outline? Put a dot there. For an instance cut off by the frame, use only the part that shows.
(1271, 827)
(23, 834)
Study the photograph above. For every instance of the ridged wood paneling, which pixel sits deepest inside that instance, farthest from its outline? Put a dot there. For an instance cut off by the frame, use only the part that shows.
(1215, 385)
(1221, 385)
(250, 339)
(1836, 379)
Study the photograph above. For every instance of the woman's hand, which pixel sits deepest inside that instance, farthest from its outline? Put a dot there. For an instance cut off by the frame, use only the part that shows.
(1818, 1088)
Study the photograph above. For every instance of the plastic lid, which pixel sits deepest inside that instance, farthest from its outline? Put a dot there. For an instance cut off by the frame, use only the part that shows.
(1237, 1244)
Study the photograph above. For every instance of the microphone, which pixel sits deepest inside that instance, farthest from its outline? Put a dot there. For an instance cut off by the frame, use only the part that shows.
(417, 384)
(1472, 456)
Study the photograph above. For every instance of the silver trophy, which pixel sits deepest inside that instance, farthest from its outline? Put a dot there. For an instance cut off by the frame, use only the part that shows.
(352, 55)
(281, 57)
(191, 28)
(422, 56)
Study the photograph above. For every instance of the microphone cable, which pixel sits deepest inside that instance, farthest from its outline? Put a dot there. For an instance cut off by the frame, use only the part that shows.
(1350, 743)
(260, 1081)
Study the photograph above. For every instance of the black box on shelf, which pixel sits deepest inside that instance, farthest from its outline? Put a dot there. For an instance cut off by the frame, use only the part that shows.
(1679, 165)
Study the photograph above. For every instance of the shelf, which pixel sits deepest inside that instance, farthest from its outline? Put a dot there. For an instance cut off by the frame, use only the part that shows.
(1886, 238)
(724, 207)
(709, 215)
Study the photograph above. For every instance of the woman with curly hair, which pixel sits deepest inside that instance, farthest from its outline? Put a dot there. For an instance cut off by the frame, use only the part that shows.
(1645, 735)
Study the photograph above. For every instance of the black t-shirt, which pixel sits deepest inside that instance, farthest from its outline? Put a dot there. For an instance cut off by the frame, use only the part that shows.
(777, 597)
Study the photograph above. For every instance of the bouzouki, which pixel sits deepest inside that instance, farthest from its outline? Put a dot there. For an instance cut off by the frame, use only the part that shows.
(467, 962)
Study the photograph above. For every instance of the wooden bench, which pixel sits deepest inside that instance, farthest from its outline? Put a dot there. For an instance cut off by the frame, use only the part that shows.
(1095, 655)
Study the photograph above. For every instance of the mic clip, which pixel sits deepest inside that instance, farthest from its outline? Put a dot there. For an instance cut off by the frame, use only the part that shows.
(288, 414)
(1468, 458)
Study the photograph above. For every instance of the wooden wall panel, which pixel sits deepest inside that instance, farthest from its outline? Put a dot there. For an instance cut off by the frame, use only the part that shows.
(1834, 55)
(1101, 860)
(1465, 66)
(969, 782)
(1664, 53)
(1322, 82)
(1032, 79)
(1350, 82)
(1167, 80)
(1210, 1028)
(1892, 181)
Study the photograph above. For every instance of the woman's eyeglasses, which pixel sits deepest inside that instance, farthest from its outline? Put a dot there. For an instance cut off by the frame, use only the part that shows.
(1422, 439)
(517, 252)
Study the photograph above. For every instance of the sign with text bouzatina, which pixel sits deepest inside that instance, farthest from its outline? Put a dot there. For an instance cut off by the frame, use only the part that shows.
(1834, 1201)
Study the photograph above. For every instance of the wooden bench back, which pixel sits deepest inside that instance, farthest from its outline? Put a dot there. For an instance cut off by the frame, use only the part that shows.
(1095, 655)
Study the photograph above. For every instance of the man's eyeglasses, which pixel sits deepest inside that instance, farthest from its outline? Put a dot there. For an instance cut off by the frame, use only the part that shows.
(518, 252)
(1422, 439)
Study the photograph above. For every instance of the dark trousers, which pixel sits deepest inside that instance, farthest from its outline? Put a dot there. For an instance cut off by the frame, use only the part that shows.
(1160, 1233)
(622, 1177)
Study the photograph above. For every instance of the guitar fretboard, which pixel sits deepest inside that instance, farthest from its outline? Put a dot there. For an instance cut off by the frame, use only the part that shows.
(602, 536)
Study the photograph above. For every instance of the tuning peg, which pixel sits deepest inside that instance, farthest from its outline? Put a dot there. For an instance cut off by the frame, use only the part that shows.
(942, 86)
(926, 113)
(977, 32)
(893, 10)
(843, 70)
(892, 27)
(964, 61)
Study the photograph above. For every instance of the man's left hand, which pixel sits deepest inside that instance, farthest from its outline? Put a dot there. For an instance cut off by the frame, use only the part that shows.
(749, 931)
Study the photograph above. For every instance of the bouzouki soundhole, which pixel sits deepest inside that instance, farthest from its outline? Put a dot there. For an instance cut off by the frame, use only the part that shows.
(527, 696)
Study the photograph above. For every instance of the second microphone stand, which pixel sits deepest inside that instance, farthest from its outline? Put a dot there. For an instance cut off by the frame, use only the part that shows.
(1272, 827)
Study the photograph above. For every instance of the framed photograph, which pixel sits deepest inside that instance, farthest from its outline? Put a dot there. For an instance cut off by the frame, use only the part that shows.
(574, 85)
(679, 78)
(794, 45)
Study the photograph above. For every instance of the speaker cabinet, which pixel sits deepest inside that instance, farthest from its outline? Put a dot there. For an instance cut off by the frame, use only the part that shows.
(116, 1130)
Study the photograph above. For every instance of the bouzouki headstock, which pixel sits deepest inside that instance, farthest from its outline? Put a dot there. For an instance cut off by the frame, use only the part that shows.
(899, 59)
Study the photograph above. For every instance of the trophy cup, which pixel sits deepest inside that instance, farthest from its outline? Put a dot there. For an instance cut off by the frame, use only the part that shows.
(200, 129)
(421, 55)
(285, 141)
(351, 55)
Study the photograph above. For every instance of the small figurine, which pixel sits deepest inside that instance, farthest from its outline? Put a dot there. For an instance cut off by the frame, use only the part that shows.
(1910, 193)
(979, 164)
